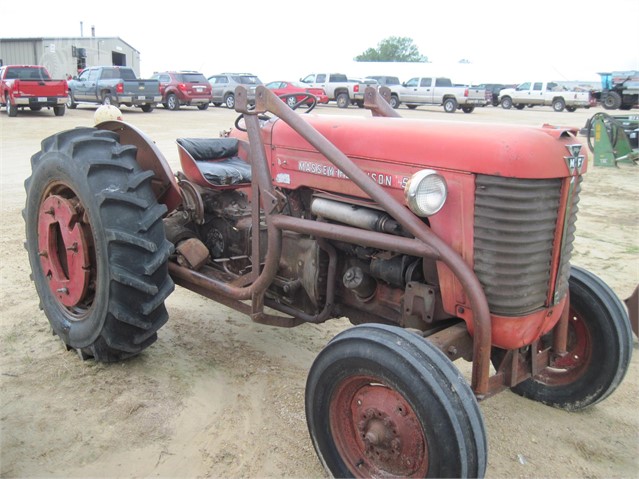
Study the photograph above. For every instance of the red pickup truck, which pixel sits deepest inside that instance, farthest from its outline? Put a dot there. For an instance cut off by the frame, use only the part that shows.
(31, 86)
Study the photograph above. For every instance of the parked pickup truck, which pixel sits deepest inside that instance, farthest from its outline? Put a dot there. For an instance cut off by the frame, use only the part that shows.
(338, 88)
(441, 91)
(31, 86)
(393, 84)
(113, 86)
(545, 94)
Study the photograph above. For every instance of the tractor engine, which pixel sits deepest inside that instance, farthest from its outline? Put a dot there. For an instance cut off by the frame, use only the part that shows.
(370, 283)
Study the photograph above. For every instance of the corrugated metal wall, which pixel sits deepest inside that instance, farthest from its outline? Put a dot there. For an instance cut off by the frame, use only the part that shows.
(56, 54)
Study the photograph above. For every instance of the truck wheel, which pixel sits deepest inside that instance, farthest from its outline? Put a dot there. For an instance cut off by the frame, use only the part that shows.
(343, 101)
(450, 105)
(71, 101)
(59, 110)
(203, 106)
(172, 102)
(468, 109)
(558, 104)
(411, 107)
(382, 402)
(506, 103)
(571, 109)
(612, 100)
(394, 101)
(599, 349)
(108, 99)
(147, 107)
(521, 106)
(229, 101)
(12, 110)
(96, 244)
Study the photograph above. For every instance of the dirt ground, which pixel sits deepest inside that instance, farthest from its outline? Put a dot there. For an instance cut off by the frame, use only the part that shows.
(220, 396)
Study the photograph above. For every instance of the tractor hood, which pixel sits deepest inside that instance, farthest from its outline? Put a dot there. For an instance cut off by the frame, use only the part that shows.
(385, 144)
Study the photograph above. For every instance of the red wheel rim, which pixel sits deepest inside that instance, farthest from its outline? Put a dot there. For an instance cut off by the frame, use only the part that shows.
(569, 367)
(376, 431)
(63, 248)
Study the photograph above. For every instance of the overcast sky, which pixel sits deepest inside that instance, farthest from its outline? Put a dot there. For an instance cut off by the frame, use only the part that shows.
(505, 41)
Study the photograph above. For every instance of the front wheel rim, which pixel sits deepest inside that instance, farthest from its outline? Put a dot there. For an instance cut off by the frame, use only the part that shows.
(568, 368)
(376, 431)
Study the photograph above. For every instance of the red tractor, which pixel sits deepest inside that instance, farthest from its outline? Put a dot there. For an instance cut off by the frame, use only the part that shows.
(437, 241)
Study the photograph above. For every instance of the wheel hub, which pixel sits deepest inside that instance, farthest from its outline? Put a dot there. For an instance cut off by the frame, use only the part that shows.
(383, 435)
(62, 247)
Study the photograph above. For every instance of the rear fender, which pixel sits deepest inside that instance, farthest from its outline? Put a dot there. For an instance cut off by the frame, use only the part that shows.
(150, 158)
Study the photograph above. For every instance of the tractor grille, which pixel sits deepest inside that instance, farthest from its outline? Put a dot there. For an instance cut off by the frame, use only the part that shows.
(515, 222)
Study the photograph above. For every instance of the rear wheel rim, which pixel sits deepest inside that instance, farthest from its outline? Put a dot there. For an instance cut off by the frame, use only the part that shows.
(376, 431)
(65, 248)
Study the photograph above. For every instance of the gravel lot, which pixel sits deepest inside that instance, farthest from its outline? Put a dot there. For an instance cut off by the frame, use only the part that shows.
(218, 395)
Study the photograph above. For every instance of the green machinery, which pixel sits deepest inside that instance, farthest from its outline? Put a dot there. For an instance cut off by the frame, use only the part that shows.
(613, 139)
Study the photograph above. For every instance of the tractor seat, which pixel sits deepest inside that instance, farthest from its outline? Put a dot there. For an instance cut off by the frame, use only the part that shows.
(213, 162)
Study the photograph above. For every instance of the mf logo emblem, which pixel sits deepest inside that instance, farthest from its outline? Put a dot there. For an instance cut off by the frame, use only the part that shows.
(575, 161)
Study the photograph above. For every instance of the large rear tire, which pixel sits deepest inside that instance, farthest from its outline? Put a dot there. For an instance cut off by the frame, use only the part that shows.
(612, 100)
(383, 402)
(96, 244)
(599, 349)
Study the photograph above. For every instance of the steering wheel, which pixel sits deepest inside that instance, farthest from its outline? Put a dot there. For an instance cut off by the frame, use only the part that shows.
(291, 99)
(241, 116)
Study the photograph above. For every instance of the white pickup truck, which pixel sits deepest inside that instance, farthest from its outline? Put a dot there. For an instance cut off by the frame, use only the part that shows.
(338, 88)
(544, 94)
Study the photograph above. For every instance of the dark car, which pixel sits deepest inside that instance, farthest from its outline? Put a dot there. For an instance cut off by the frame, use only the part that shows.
(385, 80)
(492, 92)
(184, 88)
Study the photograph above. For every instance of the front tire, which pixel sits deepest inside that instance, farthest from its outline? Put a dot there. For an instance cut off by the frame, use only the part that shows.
(506, 103)
(382, 402)
(599, 349)
(96, 244)
(394, 101)
(229, 101)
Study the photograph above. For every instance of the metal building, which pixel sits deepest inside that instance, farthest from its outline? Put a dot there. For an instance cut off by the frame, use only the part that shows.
(65, 57)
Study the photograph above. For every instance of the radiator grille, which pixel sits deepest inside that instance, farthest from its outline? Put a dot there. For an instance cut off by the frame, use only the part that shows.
(515, 221)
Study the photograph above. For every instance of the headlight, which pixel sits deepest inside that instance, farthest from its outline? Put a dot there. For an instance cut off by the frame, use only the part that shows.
(425, 192)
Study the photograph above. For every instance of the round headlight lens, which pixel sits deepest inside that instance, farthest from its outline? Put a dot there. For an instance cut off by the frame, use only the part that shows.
(426, 192)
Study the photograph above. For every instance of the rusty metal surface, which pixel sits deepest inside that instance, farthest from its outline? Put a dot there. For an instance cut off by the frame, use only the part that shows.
(378, 101)
(265, 101)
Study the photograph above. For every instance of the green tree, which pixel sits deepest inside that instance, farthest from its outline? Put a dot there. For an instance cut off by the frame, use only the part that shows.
(393, 49)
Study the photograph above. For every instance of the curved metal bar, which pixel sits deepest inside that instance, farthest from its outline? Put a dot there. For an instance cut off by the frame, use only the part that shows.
(265, 100)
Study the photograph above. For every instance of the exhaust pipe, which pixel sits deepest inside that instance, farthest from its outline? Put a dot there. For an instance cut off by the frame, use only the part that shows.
(355, 215)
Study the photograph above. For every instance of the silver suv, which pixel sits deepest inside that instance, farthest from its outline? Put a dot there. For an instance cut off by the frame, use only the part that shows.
(223, 86)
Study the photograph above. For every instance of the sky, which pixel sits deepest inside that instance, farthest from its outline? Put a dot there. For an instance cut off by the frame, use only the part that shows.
(504, 41)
